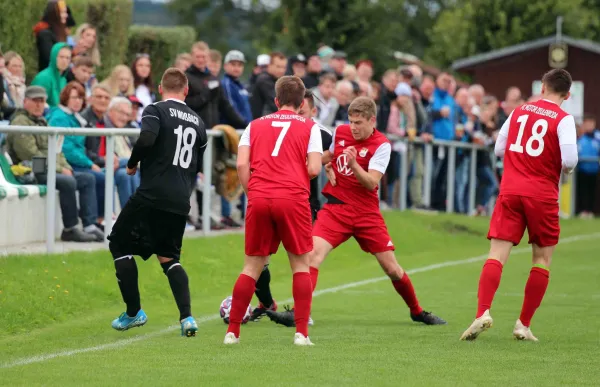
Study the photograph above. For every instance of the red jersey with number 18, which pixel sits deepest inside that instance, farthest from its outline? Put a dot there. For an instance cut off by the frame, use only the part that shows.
(279, 144)
(532, 158)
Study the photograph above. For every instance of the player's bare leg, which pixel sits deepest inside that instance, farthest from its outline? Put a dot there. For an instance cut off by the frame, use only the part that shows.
(242, 295)
(403, 285)
(321, 248)
(488, 284)
(302, 293)
(180, 287)
(536, 286)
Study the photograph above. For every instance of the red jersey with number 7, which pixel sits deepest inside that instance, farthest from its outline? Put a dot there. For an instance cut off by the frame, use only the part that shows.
(532, 158)
(279, 144)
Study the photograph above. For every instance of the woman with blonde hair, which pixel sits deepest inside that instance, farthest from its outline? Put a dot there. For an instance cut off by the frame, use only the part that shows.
(86, 43)
(120, 81)
(14, 78)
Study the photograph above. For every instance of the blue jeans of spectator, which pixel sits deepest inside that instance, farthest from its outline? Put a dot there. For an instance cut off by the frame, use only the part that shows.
(462, 182)
(126, 185)
(226, 206)
(67, 186)
(100, 182)
(487, 184)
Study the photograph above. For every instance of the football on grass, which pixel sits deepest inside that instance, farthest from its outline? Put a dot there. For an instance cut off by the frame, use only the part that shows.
(226, 308)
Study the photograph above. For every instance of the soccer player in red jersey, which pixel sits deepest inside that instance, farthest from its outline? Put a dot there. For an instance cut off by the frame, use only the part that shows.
(359, 155)
(278, 155)
(538, 141)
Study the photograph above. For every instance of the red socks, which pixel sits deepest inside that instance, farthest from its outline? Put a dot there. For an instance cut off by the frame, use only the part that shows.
(302, 292)
(488, 284)
(242, 295)
(534, 292)
(314, 276)
(405, 288)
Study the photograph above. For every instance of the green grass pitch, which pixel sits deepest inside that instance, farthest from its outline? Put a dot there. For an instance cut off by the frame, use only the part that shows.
(55, 314)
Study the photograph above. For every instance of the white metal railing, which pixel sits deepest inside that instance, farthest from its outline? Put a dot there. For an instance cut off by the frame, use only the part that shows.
(451, 146)
(53, 134)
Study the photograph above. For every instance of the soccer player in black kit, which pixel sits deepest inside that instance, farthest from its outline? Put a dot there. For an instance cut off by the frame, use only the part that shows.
(170, 148)
(263, 290)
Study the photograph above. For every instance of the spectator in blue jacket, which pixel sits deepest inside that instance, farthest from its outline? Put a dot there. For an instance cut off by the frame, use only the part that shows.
(232, 87)
(587, 171)
(442, 112)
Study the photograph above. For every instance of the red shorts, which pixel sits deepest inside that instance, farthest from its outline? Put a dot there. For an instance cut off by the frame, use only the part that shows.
(336, 223)
(513, 213)
(271, 221)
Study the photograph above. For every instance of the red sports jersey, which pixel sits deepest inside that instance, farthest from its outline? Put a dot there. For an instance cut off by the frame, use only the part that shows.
(532, 158)
(372, 153)
(279, 143)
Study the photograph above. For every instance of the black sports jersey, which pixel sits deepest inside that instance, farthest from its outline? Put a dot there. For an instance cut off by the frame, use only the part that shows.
(326, 138)
(169, 167)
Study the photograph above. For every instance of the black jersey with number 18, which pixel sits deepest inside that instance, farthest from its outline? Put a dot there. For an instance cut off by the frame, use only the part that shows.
(168, 171)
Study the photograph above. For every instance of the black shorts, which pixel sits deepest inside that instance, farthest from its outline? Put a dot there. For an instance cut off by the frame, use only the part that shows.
(144, 230)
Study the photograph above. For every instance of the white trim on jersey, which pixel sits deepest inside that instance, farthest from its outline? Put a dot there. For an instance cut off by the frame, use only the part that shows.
(245, 139)
(315, 144)
(381, 157)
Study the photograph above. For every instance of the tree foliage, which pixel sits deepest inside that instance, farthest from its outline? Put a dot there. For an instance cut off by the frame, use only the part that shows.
(476, 26)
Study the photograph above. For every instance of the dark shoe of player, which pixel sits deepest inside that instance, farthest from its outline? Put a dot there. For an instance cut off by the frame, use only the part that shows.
(76, 235)
(284, 318)
(428, 318)
(260, 311)
(230, 223)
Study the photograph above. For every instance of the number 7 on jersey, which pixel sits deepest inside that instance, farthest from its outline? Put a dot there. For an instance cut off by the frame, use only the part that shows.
(285, 126)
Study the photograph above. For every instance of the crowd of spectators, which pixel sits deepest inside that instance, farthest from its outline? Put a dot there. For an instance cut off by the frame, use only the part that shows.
(411, 104)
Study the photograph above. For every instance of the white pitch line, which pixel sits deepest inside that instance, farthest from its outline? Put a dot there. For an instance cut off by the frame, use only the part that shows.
(335, 289)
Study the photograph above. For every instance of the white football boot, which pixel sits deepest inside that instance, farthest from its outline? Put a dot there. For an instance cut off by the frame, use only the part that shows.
(478, 326)
(299, 339)
(231, 339)
(521, 332)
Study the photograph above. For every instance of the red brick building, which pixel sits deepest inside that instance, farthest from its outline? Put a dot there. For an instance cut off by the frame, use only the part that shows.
(524, 63)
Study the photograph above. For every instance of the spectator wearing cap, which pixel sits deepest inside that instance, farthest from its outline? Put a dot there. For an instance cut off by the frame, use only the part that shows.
(205, 95)
(364, 70)
(262, 62)
(233, 88)
(262, 100)
(297, 64)
(215, 62)
(50, 30)
(136, 105)
(325, 53)
(313, 72)
(24, 147)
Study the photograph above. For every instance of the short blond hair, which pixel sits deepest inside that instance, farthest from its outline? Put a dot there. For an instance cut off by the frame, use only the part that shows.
(201, 46)
(364, 107)
(184, 56)
(215, 55)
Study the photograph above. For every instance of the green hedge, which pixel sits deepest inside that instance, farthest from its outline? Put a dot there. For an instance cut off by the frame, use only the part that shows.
(111, 17)
(16, 29)
(163, 44)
